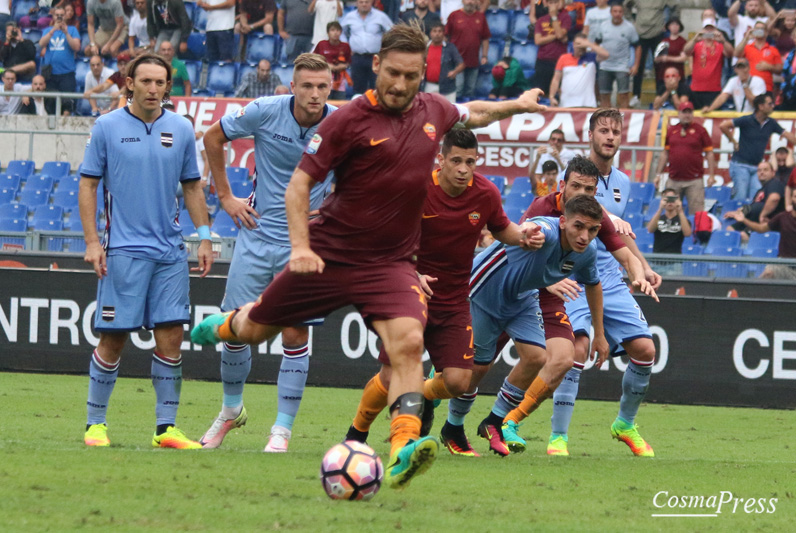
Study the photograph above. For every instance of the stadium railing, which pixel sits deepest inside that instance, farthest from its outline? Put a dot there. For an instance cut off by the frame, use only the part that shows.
(59, 97)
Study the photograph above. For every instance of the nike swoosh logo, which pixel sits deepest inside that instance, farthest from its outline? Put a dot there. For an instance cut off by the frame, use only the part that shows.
(430, 216)
(411, 404)
(374, 142)
(469, 356)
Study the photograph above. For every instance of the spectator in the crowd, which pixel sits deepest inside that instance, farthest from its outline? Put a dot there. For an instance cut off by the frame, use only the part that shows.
(39, 106)
(38, 17)
(669, 224)
(685, 144)
(423, 15)
(650, 24)
(338, 55)
(446, 7)
(468, 31)
(167, 20)
(781, 29)
(508, 79)
(254, 16)
(783, 164)
(743, 87)
(97, 75)
(764, 59)
(137, 34)
(554, 151)
(117, 81)
(576, 74)
(180, 80)
(5, 12)
(18, 54)
(708, 48)
(70, 17)
(547, 181)
(787, 93)
(112, 32)
(219, 29)
(755, 131)
(596, 15)
(616, 35)
(672, 54)
(789, 188)
(675, 91)
(296, 25)
(755, 11)
(281, 89)
(261, 82)
(767, 202)
(325, 11)
(10, 105)
(551, 35)
(362, 29)
(443, 64)
(59, 45)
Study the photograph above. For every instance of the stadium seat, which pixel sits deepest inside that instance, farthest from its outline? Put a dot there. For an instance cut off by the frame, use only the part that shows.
(81, 69)
(243, 69)
(695, 268)
(285, 73)
(190, 8)
(731, 205)
(720, 240)
(194, 69)
(642, 191)
(32, 34)
(525, 53)
(521, 184)
(720, 194)
(514, 212)
(69, 183)
(21, 8)
(34, 197)
(636, 221)
(7, 196)
(652, 208)
(520, 27)
(238, 174)
(483, 85)
(74, 223)
(499, 22)
(197, 46)
(203, 92)
(521, 199)
(56, 169)
(74, 244)
(645, 237)
(55, 244)
(634, 205)
(199, 20)
(762, 241)
(221, 76)
(499, 182)
(39, 183)
(495, 53)
(14, 211)
(46, 213)
(731, 270)
(83, 108)
(66, 200)
(224, 226)
(50, 225)
(13, 224)
(260, 46)
(9, 181)
(240, 189)
(20, 167)
(187, 226)
(691, 249)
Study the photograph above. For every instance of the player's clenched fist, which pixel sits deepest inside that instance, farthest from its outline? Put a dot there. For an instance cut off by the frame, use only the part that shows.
(305, 261)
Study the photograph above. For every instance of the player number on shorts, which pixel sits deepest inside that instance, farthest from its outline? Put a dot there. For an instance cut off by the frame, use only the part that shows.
(564, 319)
(640, 314)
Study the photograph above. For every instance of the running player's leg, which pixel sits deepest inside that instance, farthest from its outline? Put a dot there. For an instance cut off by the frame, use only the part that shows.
(290, 385)
(372, 402)
(635, 382)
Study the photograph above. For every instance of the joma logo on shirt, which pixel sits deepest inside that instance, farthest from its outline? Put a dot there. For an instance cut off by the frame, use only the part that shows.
(282, 138)
(130, 140)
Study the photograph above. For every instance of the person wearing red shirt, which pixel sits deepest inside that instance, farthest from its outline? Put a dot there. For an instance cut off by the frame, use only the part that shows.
(551, 36)
(338, 54)
(685, 144)
(764, 59)
(468, 31)
(673, 55)
(708, 49)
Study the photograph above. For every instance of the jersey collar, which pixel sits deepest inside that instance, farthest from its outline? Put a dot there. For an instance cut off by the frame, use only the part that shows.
(147, 126)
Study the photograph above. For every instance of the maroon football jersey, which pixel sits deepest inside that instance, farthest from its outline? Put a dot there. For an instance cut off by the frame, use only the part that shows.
(549, 205)
(381, 162)
(451, 228)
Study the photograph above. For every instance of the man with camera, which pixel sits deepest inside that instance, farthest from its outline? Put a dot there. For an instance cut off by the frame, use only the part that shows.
(18, 54)
(60, 44)
(685, 144)
(669, 224)
(708, 48)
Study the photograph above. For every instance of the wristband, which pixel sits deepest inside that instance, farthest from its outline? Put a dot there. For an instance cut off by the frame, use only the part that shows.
(204, 232)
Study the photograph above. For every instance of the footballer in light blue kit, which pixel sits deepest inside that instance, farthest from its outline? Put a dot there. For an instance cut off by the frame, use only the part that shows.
(625, 326)
(283, 128)
(504, 297)
(142, 154)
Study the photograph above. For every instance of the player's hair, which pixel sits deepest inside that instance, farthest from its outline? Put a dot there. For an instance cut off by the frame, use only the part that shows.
(609, 114)
(333, 24)
(311, 62)
(148, 59)
(583, 166)
(460, 138)
(585, 205)
(409, 38)
(760, 99)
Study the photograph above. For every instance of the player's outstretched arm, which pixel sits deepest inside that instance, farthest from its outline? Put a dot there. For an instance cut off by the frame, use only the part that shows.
(650, 275)
(636, 272)
(297, 206)
(528, 236)
(195, 204)
(238, 210)
(599, 345)
(483, 113)
(87, 201)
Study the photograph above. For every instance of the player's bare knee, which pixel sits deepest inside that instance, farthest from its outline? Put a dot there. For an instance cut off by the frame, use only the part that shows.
(457, 384)
(295, 336)
(642, 350)
(110, 346)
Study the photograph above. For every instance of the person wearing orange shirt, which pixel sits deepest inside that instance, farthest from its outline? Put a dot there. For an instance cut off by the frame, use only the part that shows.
(764, 59)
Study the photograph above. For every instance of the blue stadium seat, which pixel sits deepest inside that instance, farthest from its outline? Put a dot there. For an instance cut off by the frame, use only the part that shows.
(46, 213)
(520, 27)
(521, 184)
(56, 169)
(20, 167)
(34, 197)
(32, 34)
(483, 85)
(636, 221)
(691, 249)
(519, 199)
(731, 270)
(525, 53)
(634, 205)
(194, 69)
(499, 182)
(244, 68)
(695, 268)
(762, 241)
(224, 226)
(7, 196)
(199, 20)
(514, 212)
(75, 223)
(642, 191)
(494, 54)
(240, 189)
(74, 244)
(260, 46)
(239, 174)
(9, 181)
(66, 200)
(14, 211)
(83, 108)
(221, 76)
(645, 237)
(720, 240)
(731, 205)
(203, 92)
(13, 224)
(285, 73)
(653, 206)
(763, 253)
(720, 194)
(39, 183)
(21, 8)
(81, 69)
(499, 22)
(187, 226)
(197, 46)
(50, 225)
(69, 183)
(190, 8)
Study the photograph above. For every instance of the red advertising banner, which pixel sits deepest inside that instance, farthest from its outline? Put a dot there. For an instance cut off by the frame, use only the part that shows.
(506, 146)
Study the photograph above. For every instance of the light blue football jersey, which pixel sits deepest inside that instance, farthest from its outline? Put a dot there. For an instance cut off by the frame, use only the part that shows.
(613, 192)
(279, 142)
(141, 166)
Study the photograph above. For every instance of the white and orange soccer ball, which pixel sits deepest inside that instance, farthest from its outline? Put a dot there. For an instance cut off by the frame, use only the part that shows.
(351, 471)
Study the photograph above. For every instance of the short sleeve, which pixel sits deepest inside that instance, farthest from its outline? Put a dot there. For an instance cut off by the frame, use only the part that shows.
(190, 170)
(707, 142)
(608, 235)
(550, 234)
(485, 33)
(560, 63)
(776, 128)
(245, 121)
(738, 121)
(587, 274)
(95, 156)
(498, 221)
(633, 36)
(730, 85)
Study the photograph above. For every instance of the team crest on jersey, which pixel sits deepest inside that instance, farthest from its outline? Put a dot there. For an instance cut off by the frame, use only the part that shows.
(314, 144)
(617, 195)
(108, 313)
(544, 224)
(474, 217)
(430, 130)
(166, 139)
(567, 266)
(241, 112)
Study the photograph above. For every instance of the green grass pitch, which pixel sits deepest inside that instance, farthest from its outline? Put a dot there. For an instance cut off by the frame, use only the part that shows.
(49, 481)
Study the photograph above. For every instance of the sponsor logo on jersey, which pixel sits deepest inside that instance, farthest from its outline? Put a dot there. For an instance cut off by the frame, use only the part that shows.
(474, 217)
(315, 143)
(617, 194)
(430, 130)
(130, 140)
(166, 139)
(279, 137)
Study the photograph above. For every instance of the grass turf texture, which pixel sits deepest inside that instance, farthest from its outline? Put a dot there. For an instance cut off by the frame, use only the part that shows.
(50, 481)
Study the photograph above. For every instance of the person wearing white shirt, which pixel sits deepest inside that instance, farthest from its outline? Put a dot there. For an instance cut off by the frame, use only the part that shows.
(97, 75)
(220, 22)
(596, 15)
(10, 105)
(743, 87)
(326, 11)
(755, 10)
(138, 29)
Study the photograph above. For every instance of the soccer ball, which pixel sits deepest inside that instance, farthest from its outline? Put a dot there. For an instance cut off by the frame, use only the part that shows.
(351, 471)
